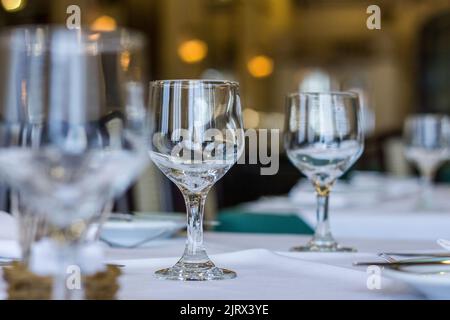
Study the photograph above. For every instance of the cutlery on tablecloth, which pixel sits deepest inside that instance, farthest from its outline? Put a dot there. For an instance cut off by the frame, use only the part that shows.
(416, 254)
(400, 263)
(441, 242)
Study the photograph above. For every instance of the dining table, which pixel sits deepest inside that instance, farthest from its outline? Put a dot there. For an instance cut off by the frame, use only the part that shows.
(267, 269)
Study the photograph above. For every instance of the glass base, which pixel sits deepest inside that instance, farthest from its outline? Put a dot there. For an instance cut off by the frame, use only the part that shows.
(195, 272)
(324, 247)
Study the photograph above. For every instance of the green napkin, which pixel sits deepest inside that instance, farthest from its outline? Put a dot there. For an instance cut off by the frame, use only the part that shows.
(238, 221)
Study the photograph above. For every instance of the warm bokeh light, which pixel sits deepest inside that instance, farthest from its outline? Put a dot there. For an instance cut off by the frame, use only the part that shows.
(251, 118)
(125, 60)
(94, 36)
(13, 5)
(193, 51)
(260, 66)
(104, 23)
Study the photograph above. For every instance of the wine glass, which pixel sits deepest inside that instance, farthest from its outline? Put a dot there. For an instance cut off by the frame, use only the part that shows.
(427, 145)
(323, 139)
(196, 138)
(79, 95)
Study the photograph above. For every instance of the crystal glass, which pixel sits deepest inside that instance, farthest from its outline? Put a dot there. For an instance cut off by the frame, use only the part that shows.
(427, 145)
(73, 127)
(323, 139)
(196, 138)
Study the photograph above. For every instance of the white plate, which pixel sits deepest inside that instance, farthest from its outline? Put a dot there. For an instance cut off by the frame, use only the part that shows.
(143, 226)
(432, 281)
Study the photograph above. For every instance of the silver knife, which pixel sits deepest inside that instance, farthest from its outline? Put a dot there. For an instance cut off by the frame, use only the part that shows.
(404, 263)
(417, 254)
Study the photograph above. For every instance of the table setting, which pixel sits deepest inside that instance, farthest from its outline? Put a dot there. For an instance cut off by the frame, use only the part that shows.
(75, 116)
(320, 273)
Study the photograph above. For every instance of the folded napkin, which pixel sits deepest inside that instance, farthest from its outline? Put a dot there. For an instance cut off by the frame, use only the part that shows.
(262, 274)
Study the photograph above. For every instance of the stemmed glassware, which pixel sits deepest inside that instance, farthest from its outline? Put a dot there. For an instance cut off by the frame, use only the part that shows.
(323, 139)
(73, 128)
(196, 138)
(427, 145)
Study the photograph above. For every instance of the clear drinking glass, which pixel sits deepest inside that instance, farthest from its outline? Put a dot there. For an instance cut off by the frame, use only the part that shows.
(323, 139)
(427, 145)
(73, 127)
(196, 138)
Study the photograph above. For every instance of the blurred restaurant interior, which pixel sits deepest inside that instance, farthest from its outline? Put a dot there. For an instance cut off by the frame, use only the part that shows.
(273, 47)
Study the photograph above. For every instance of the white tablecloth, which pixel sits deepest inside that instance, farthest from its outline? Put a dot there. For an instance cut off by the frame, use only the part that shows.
(265, 268)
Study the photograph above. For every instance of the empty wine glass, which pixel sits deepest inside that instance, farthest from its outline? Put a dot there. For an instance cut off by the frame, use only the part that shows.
(196, 138)
(427, 145)
(323, 139)
(80, 95)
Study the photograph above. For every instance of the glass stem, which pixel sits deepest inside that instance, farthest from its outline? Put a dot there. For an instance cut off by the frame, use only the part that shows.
(322, 234)
(427, 177)
(195, 251)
